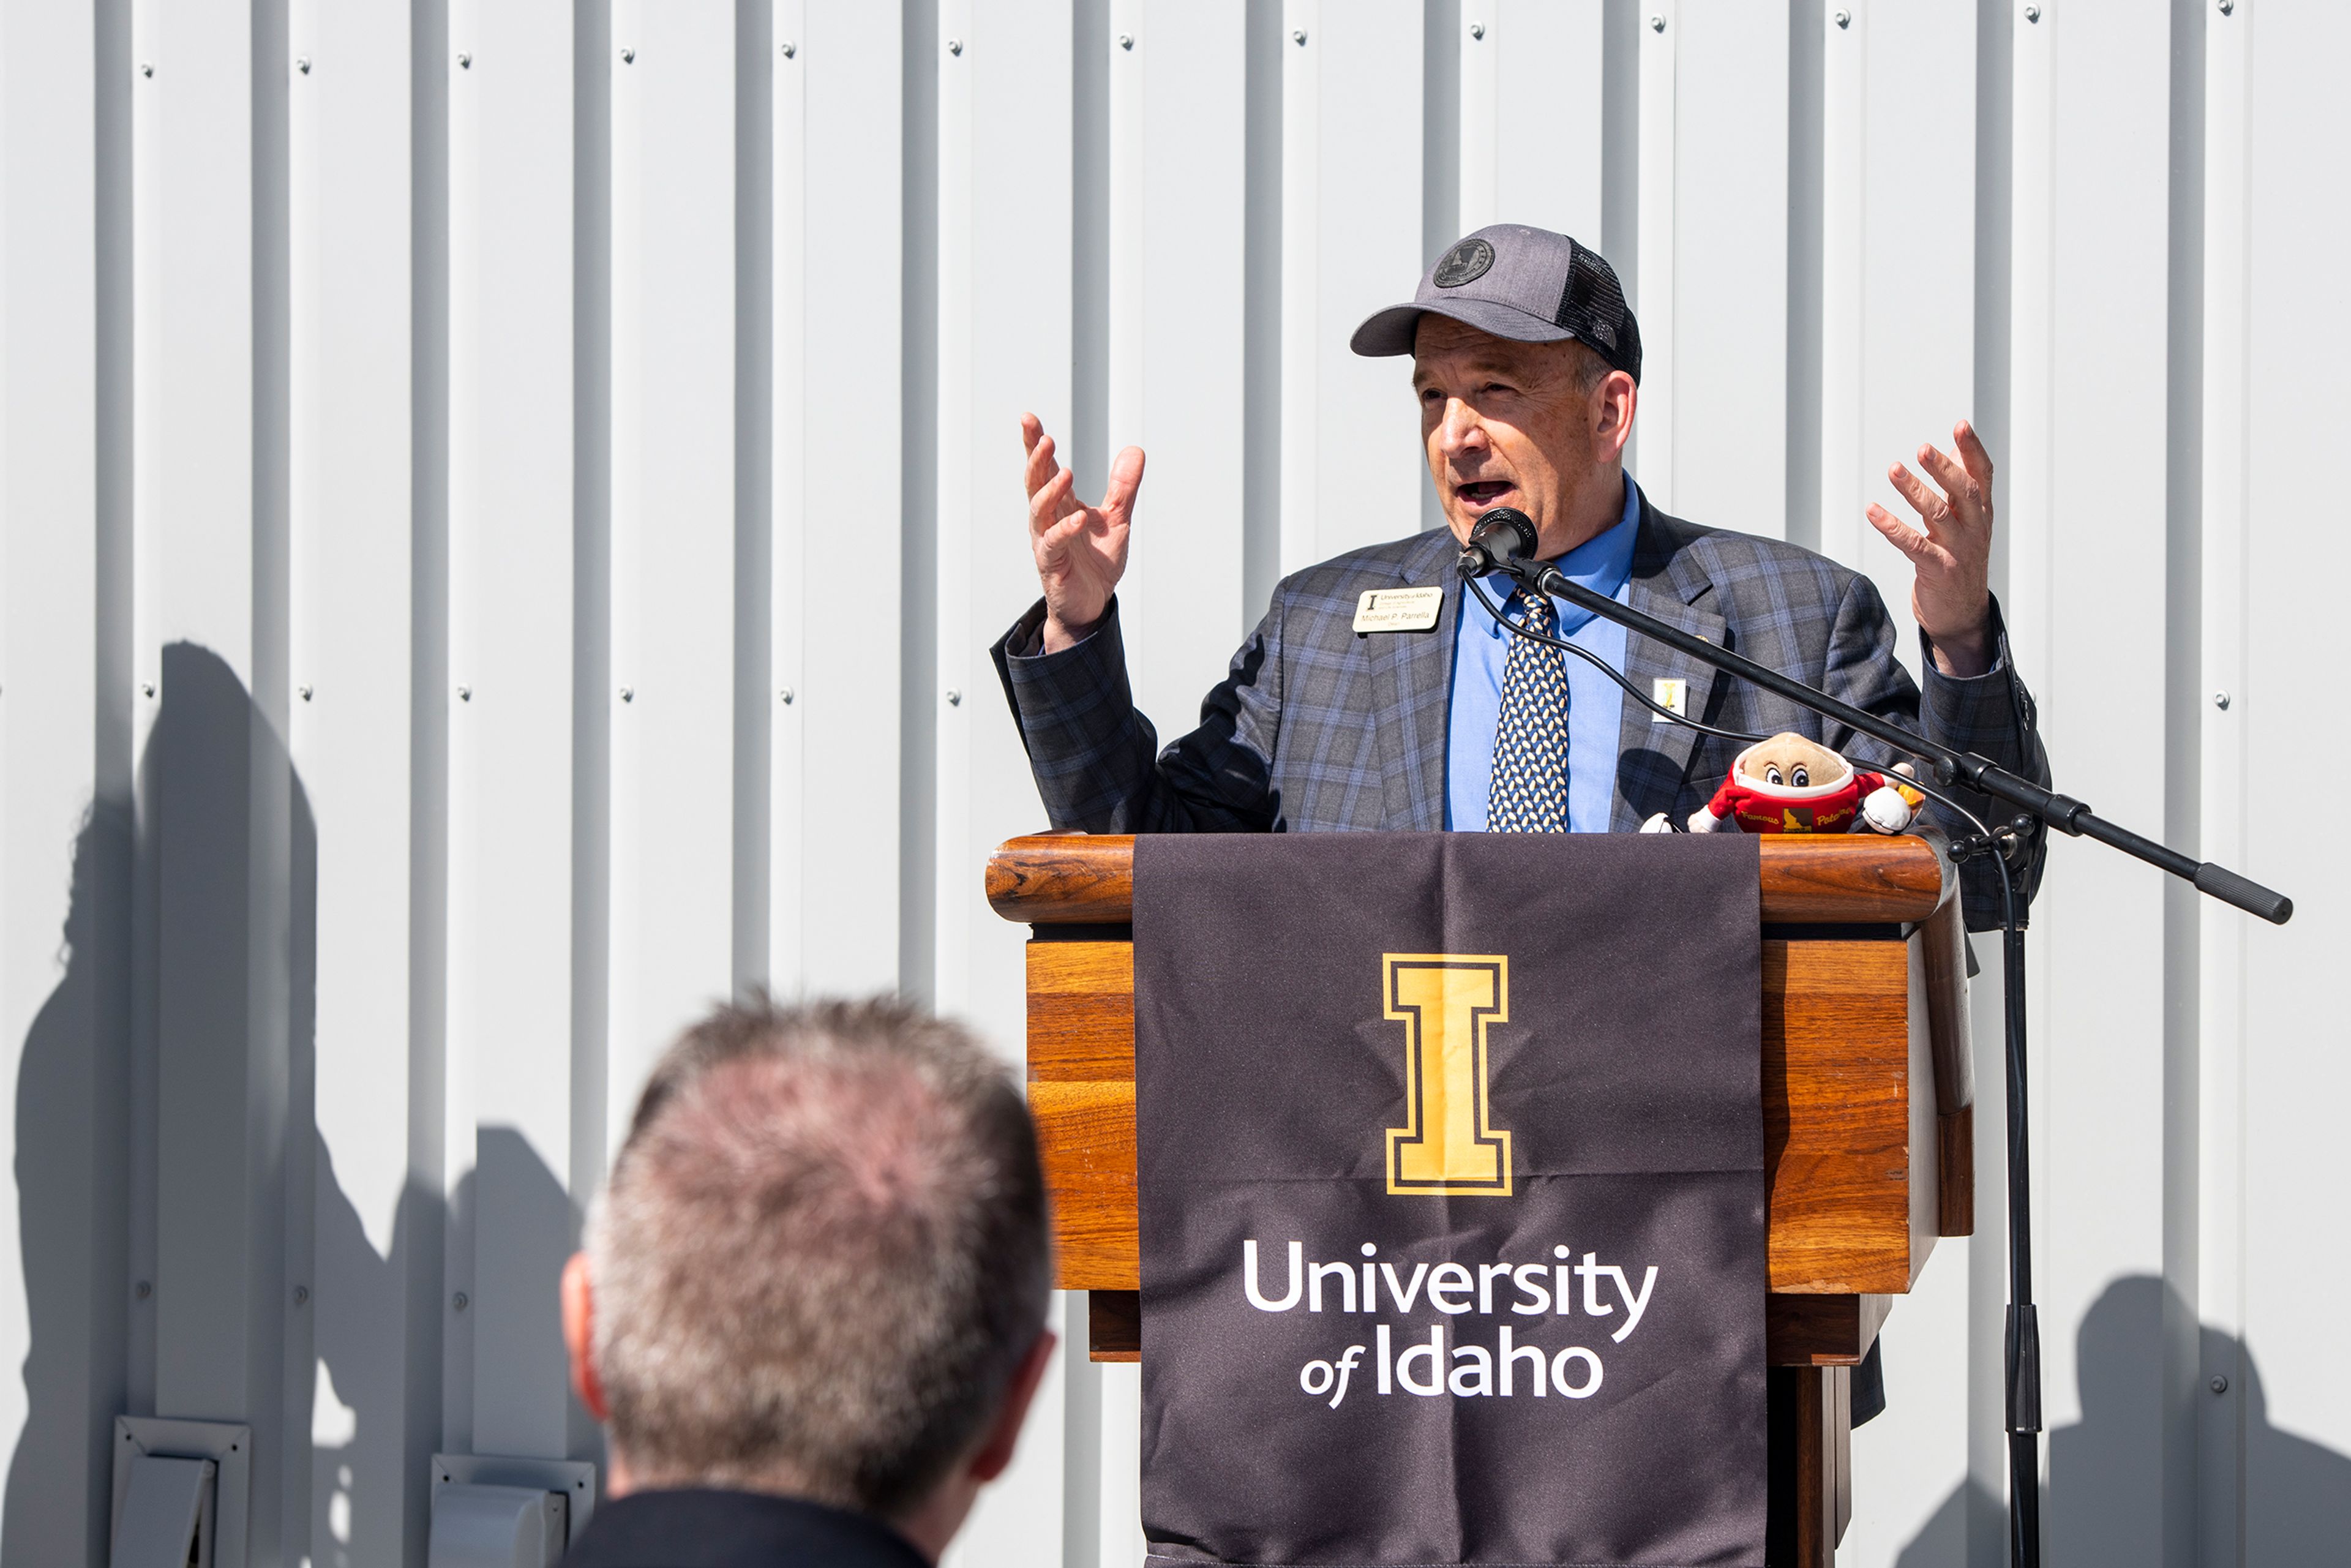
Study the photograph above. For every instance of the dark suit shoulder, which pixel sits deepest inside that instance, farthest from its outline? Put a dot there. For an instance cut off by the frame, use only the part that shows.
(1737, 565)
(1424, 558)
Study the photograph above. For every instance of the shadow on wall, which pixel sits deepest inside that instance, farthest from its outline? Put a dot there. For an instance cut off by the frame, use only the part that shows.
(377, 1417)
(70, 1127)
(2297, 1502)
(375, 1413)
(344, 1389)
(214, 989)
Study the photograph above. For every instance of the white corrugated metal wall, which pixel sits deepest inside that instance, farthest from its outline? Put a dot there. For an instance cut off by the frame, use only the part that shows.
(503, 503)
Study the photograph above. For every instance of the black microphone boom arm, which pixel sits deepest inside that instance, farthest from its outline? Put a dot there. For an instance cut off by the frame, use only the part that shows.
(1967, 769)
(1505, 539)
(1505, 542)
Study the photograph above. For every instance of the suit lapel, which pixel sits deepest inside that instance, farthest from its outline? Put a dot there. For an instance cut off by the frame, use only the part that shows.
(1653, 756)
(1412, 683)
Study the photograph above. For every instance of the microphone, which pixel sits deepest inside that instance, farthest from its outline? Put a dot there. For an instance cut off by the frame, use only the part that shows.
(1500, 538)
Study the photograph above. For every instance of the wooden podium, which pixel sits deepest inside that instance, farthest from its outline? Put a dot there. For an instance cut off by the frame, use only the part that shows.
(1867, 1110)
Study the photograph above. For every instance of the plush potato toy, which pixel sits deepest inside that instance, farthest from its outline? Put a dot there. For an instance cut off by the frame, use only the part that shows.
(1787, 784)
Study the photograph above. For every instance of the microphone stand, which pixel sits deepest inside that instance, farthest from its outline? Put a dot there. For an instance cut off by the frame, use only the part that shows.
(1953, 768)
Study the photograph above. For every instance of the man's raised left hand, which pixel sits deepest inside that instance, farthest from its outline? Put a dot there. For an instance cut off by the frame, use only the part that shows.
(1951, 599)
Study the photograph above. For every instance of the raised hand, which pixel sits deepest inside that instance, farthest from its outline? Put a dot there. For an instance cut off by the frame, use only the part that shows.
(1080, 550)
(1951, 598)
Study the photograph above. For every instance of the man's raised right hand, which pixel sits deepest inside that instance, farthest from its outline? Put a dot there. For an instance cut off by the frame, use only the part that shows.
(1080, 550)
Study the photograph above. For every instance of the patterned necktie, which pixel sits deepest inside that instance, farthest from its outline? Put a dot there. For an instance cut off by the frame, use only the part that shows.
(1530, 788)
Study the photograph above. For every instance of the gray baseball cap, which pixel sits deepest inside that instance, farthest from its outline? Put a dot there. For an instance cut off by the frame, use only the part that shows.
(1526, 284)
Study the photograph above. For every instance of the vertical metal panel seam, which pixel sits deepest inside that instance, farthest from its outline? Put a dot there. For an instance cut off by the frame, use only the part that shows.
(1261, 337)
(1844, 279)
(2183, 1393)
(426, 1286)
(755, 697)
(289, 879)
(1301, 304)
(460, 120)
(2030, 551)
(2223, 792)
(1620, 175)
(1805, 151)
(945, 794)
(1994, 315)
(622, 451)
(591, 628)
(923, 287)
(117, 1181)
(786, 503)
(1441, 150)
(1086, 443)
(122, 724)
(1659, 138)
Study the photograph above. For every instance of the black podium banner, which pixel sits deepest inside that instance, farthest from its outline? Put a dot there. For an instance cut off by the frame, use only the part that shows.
(1450, 1158)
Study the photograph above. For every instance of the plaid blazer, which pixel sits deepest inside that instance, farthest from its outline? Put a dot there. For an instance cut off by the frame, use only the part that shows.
(1315, 728)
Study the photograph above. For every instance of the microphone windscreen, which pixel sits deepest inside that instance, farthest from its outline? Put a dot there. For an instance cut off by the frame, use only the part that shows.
(1504, 533)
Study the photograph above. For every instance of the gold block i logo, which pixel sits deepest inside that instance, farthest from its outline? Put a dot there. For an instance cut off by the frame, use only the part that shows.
(1446, 1002)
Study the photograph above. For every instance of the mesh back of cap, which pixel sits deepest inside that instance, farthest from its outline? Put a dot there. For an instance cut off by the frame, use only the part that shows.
(1592, 306)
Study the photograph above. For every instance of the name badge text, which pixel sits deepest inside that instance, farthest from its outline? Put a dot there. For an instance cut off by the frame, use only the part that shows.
(1398, 609)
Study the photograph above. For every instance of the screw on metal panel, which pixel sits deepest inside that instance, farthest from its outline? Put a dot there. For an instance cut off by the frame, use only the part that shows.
(304, 692)
(464, 62)
(146, 688)
(2033, 13)
(955, 697)
(628, 694)
(628, 56)
(144, 1289)
(1844, 18)
(303, 65)
(1299, 37)
(791, 49)
(1657, 24)
(461, 1300)
(785, 696)
(1477, 29)
(301, 1295)
(2227, 8)
(145, 69)
(954, 45)
(2219, 1385)
(464, 694)
(1126, 40)
(2220, 700)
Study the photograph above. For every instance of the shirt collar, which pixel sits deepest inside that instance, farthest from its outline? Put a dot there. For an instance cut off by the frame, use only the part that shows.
(1601, 563)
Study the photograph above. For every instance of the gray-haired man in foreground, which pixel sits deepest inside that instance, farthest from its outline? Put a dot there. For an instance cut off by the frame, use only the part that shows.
(811, 1311)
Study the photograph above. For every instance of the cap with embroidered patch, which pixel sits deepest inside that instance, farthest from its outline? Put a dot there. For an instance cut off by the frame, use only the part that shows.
(1526, 284)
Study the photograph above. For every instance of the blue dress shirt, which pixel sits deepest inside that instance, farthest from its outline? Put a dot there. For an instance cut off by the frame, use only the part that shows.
(1596, 705)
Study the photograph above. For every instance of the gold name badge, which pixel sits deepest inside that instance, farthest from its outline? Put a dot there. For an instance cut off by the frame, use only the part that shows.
(1446, 1002)
(1398, 609)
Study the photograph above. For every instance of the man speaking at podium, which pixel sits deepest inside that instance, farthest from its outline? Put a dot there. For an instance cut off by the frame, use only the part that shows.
(1527, 365)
